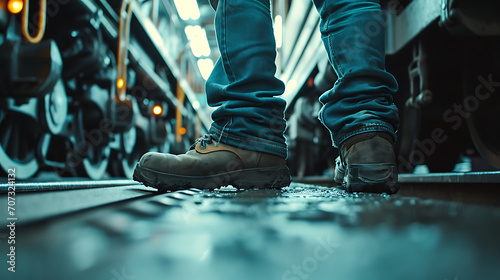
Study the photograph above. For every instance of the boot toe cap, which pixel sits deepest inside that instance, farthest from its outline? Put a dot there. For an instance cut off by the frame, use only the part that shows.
(148, 159)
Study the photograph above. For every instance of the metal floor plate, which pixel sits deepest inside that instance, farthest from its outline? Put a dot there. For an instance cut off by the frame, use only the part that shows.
(299, 232)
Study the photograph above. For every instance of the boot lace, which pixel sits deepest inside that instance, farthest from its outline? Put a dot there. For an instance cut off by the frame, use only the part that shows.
(207, 139)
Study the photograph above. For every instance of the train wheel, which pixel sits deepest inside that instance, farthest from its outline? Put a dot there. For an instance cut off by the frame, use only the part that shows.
(90, 157)
(484, 120)
(124, 161)
(485, 131)
(19, 136)
(55, 109)
(166, 147)
(482, 101)
(93, 165)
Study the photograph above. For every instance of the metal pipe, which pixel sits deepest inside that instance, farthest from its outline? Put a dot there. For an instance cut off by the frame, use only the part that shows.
(41, 22)
(123, 41)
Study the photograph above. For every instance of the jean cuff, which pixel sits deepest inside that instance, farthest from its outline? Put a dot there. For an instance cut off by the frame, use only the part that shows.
(375, 127)
(248, 142)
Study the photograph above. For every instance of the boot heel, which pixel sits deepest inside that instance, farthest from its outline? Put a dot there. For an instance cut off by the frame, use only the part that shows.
(376, 177)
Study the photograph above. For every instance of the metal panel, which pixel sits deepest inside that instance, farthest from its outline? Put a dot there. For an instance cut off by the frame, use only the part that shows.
(314, 53)
(294, 22)
(309, 30)
(34, 206)
(469, 177)
(402, 28)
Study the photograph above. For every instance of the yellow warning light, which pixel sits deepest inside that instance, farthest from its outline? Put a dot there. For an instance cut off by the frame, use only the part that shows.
(15, 6)
(182, 131)
(120, 83)
(157, 110)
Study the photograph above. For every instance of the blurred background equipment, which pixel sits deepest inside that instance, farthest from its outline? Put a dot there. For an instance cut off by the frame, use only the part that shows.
(87, 87)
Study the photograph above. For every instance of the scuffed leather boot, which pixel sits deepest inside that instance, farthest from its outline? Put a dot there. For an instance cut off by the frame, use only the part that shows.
(367, 164)
(210, 165)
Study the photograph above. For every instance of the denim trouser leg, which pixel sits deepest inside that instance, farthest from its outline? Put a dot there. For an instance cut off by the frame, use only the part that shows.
(243, 82)
(361, 99)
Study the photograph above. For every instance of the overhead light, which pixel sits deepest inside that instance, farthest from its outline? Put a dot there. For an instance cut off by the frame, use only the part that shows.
(290, 86)
(196, 105)
(15, 6)
(157, 110)
(187, 9)
(192, 31)
(198, 40)
(278, 31)
(182, 130)
(206, 65)
(120, 83)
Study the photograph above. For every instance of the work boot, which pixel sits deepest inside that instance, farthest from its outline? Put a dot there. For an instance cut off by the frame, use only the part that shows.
(367, 164)
(210, 165)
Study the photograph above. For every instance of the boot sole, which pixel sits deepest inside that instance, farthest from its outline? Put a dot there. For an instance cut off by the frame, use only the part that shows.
(260, 178)
(374, 178)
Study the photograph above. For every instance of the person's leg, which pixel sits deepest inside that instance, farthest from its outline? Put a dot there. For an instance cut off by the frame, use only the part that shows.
(359, 109)
(243, 84)
(361, 99)
(245, 146)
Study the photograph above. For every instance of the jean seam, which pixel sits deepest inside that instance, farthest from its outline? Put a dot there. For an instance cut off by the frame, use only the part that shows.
(334, 57)
(224, 44)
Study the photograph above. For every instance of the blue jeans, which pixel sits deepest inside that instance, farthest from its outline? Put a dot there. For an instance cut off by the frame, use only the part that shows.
(243, 83)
